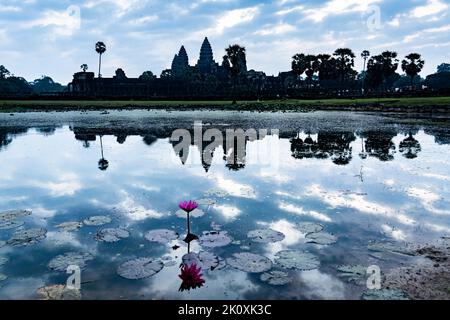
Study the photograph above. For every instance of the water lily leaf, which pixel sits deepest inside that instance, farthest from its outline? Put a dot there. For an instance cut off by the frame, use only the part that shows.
(309, 227)
(59, 292)
(297, 260)
(70, 226)
(112, 234)
(61, 262)
(3, 260)
(353, 273)
(206, 202)
(212, 239)
(391, 247)
(13, 214)
(2, 243)
(3, 277)
(27, 237)
(197, 213)
(161, 235)
(206, 260)
(140, 268)
(384, 294)
(265, 235)
(97, 220)
(10, 224)
(250, 262)
(323, 238)
(276, 278)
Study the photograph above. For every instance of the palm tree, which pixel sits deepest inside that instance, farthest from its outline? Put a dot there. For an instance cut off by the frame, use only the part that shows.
(84, 67)
(100, 48)
(412, 65)
(345, 62)
(365, 55)
(236, 57)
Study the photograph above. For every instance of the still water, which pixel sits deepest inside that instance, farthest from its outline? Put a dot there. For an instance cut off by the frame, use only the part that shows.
(364, 179)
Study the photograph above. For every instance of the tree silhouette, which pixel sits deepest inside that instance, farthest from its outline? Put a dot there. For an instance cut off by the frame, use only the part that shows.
(381, 68)
(345, 62)
(84, 67)
(412, 65)
(147, 76)
(237, 58)
(4, 73)
(100, 48)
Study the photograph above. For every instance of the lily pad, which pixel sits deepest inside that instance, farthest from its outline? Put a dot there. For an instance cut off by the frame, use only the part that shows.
(309, 227)
(112, 234)
(3, 277)
(27, 237)
(297, 260)
(161, 235)
(391, 247)
(204, 259)
(265, 235)
(13, 214)
(3, 260)
(70, 226)
(212, 239)
(353, 273)
(250, 262)
(323, 238)
(276, 278)
(384, 294)
(59, 292)
(197, 213)
(2, 243)
(140, 268)
(61, 262)
(97, 220)
(10, 224)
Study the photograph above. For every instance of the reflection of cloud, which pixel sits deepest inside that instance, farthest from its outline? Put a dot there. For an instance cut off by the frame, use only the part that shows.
(393, 232)
(292, 236)
(427, 199)
(235, 188)
(300, 211)
(229, 212)
(322, 286)
(22, 288)
(136, 211)
(60, 238)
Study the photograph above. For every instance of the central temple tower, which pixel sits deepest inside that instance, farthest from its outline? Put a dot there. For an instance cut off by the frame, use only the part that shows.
(206, 63)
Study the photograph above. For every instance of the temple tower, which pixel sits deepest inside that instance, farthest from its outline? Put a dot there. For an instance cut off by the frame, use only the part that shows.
(206, 61)
(180, 62)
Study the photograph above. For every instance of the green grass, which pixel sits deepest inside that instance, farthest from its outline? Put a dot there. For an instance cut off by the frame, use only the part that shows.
(292, 104)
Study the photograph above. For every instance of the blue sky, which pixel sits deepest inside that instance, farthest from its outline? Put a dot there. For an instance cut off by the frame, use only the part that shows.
(54, 37)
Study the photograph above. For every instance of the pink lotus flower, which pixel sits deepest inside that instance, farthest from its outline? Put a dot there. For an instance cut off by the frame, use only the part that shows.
(188, 206)
(191, 276)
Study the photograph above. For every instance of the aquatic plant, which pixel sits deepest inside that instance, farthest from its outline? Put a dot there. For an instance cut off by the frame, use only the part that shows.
(191, 274)
(188, 207)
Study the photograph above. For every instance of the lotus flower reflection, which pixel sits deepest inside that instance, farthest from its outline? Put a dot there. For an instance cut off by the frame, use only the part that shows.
(188, 206)
(191, 276)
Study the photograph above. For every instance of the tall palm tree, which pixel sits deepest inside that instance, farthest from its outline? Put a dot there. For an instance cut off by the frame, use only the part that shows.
(100, 48)
(412, 65)
(236, 56)
(345, 62)
(365, 55)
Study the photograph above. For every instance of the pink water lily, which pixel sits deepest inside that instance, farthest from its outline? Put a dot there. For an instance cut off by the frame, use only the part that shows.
(188, 206)
(191, 276)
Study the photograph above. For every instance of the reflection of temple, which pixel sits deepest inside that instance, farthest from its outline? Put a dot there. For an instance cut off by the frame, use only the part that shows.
(379, 144)
(410, 147)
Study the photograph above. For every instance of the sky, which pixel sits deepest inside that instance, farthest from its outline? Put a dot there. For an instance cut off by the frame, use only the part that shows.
(54, 37)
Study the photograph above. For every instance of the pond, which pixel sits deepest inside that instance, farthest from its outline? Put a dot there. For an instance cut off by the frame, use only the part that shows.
(300, 213)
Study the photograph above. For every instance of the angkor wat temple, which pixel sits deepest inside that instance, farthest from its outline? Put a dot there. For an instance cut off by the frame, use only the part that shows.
(207, 79)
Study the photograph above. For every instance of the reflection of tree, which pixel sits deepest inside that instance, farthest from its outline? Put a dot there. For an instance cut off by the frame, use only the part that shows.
(303, 149)
(379, 144)
(103, 164)
(441, 134)
(149, 139)
(7, 135)
(121, 138)
(86, 138)
(234, 156)
(410, 147)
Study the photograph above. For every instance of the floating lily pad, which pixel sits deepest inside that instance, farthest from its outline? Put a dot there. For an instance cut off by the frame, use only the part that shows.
(97, 220)
(3, 277)
(3, 260)
(265, 235)
(212, 239)
(70, 226)
(10, 224)
(204, 259)
(59, 292)
(323, 238)
(309, 227)
(112, 234)
(276, 278)
(2, 243)
(140, 268)
(297, 260)
(161, 235)
(353, 273)
(384, 294)
(197, 213)
(391, 247)
(250, 262)
(61, 262)
(13, 214)
(206, 202)
(27, 237)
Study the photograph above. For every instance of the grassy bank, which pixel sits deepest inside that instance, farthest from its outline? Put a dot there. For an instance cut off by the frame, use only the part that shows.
(372, 104)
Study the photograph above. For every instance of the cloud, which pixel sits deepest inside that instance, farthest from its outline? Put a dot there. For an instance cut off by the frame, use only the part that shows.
(9, 9)
(231, 19)
(64, 23)
(284, 12)
(277, 29)
(431, 8)
(144, 20)
(337, 7)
